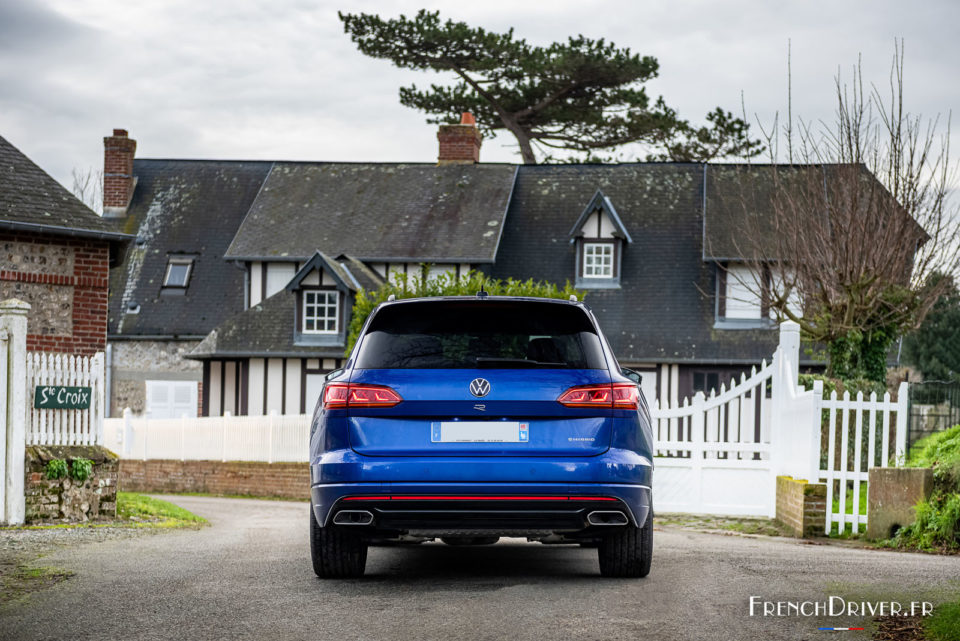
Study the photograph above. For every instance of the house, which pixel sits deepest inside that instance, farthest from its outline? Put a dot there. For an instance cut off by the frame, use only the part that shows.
(55, 254)
(236, 295)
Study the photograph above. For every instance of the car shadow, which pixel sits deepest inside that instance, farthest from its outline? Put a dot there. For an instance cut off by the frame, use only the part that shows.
(437, 566)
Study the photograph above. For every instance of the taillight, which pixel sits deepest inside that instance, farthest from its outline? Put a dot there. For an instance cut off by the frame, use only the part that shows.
(618, 395)
(341, 395)
(626, 396)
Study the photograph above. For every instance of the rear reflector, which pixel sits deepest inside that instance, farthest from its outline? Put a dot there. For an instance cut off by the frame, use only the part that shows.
(617, 395)
(342, 395)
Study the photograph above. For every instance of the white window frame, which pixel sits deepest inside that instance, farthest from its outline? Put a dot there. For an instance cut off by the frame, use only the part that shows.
(178, 261)
(326, 293)
(594, 251)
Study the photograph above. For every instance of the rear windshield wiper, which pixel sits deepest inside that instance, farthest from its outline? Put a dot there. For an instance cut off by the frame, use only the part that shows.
(483, 361)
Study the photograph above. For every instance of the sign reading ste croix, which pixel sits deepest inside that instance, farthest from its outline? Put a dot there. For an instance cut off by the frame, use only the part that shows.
(61, 397)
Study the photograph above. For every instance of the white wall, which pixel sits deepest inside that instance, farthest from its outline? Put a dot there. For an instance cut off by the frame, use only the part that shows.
(256, 283)
(292, 393)
(275, 385)
(278, 275)
(255, 387)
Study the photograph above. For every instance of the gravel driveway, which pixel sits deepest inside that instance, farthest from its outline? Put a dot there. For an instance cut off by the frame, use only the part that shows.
(249, 576)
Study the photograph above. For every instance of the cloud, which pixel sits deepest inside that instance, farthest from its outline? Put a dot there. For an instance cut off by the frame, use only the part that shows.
(280, 80)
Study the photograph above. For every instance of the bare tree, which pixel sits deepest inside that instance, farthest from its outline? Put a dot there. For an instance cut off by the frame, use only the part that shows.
(88, 187)
(846, 238)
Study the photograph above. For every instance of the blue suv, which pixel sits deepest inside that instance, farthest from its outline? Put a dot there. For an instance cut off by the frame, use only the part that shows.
(467, 419)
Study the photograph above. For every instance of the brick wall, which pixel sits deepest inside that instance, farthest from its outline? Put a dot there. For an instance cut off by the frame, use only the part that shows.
(283, 480)
(801, 506)
(66, 282)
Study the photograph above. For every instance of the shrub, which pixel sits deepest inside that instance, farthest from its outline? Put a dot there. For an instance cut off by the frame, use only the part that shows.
(941, 451)
(419, 285)
(81, 469)
(56, 469)
(938, 519)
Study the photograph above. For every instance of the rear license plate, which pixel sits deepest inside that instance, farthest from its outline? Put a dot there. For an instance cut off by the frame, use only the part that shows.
(480, 432)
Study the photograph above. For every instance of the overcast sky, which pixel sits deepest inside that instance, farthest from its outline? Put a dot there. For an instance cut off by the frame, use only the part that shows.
(275, 79)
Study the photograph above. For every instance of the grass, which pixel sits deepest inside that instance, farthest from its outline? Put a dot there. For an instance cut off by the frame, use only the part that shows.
(133, 510)
(22, 580)
(241, 496)
(937, 526)
(148, 511)
(944, 625)
(848, 532)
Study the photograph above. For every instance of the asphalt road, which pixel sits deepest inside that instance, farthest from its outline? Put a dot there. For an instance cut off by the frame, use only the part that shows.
(249, 576)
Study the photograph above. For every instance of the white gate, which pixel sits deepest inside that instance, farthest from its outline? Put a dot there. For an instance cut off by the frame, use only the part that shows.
(713, 455)
(65, 426)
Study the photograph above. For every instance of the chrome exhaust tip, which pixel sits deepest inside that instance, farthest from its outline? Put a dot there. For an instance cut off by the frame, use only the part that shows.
(353, 517)
(602, 517)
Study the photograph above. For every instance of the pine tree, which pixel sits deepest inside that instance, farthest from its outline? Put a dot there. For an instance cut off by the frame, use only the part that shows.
(583, 95)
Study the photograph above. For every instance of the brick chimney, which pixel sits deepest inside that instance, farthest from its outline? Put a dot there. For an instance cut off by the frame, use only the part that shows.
(459, 144)
(118, 180)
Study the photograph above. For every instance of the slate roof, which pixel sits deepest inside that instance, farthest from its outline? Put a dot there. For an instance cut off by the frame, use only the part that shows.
(658, 314)
(182, 207)
(32, 200)
(266, 329)
(377, 211)
(740, 199)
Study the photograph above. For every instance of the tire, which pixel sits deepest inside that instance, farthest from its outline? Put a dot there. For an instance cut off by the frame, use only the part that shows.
(629, 552)
(336, 553)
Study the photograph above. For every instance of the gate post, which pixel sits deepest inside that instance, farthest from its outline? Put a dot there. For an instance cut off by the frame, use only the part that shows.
(13, 319)
(786, 369)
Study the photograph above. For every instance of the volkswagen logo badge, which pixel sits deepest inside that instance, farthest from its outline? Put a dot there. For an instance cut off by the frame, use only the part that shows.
(479, 387)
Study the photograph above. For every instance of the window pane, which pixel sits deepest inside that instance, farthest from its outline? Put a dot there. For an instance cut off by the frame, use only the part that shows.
(598, 260)
(177, 273)
(467, 335)
(320, 311)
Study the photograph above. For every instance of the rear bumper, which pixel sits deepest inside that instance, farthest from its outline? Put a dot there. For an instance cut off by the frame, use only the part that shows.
(503, 507)
(575, 485)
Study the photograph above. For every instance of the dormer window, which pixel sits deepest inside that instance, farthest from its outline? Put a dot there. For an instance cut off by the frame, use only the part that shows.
(321, 311)
(599, 239)
(597, 260)
(178, 272)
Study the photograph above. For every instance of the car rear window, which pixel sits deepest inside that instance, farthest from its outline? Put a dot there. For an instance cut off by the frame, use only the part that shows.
(480, 334)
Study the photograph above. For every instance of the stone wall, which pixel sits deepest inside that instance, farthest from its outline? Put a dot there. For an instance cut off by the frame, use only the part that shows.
(282, 480)
(66, 499)
(66, 283)
(801, 506)
(134, 362)
(894, 491)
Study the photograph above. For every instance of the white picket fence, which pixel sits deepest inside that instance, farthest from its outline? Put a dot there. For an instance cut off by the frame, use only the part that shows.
(845, 466)
(273, 438)
(62, 426)
(721, 455)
